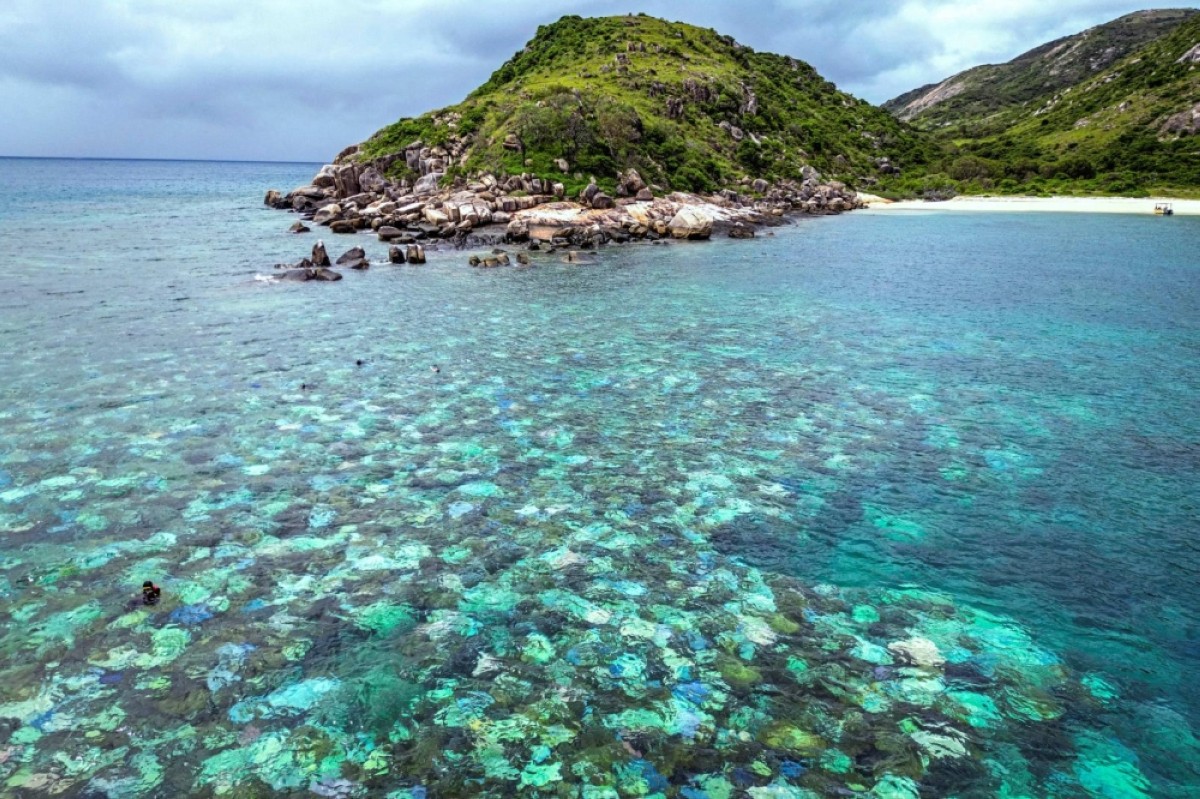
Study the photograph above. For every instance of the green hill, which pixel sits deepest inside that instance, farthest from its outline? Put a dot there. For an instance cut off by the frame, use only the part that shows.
(1087, 114)
(690, 109)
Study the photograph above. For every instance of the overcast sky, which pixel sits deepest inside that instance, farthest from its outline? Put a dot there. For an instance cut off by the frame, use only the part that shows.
(300, 79)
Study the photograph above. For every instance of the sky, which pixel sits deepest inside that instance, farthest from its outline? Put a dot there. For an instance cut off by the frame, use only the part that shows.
(298, 80)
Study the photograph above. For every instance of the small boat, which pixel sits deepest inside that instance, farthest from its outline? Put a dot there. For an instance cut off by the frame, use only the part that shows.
(1164, 209)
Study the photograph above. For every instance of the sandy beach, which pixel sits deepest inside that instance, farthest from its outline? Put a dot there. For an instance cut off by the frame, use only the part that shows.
(1079, 205)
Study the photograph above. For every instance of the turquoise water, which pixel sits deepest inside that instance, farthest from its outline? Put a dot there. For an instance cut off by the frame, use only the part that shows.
(881, 505)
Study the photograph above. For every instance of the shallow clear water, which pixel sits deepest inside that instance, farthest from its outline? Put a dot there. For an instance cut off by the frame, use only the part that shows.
(670, 523)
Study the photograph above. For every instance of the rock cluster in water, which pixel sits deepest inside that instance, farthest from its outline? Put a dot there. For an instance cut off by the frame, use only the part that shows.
(348, 197)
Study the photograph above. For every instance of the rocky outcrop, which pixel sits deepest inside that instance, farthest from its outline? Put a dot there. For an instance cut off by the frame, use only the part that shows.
(528, 208)
(328, 214)
(320, 257)
(1185, 123)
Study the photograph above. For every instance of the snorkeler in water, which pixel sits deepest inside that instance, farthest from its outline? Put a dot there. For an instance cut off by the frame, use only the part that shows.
(150, 593)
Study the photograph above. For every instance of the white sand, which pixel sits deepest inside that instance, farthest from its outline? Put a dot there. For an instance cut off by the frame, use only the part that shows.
(1079, 205)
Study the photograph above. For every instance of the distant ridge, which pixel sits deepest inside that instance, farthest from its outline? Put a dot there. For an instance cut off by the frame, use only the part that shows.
(971, 97)
(1112, 110)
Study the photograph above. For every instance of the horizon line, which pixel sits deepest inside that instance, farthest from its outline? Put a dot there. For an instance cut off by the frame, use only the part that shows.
(160, 160)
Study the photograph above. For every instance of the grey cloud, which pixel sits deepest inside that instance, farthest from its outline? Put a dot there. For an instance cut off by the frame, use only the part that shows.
(293, 79)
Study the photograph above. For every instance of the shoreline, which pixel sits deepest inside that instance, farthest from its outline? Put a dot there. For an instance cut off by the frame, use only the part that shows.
(1143, 206)
(488, 211)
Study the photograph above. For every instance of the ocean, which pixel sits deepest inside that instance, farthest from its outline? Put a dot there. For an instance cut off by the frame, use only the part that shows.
(879, 505)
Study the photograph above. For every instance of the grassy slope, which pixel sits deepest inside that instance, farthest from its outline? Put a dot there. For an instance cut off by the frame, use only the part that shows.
(567, 96)
(994, 95)
(1100, 135)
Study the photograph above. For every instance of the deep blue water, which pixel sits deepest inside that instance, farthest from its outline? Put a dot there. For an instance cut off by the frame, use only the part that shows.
(987, 415)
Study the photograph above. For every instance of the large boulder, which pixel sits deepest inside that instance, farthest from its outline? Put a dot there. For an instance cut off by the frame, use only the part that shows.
(437, 216)
(741, 231)
(298, 227)
(273, 198)
(602, 202)
(319, 256)
(588, 193)
(311, 192)
(415, 254)
(328, 214)
(395, 255)
(344, 226)
(473, 211)
(517, 230)
(632, 182)
(644, 195)
(388, 232)
(691, 223)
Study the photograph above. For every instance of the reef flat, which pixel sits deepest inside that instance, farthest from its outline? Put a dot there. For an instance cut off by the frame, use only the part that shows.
(759, 518)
